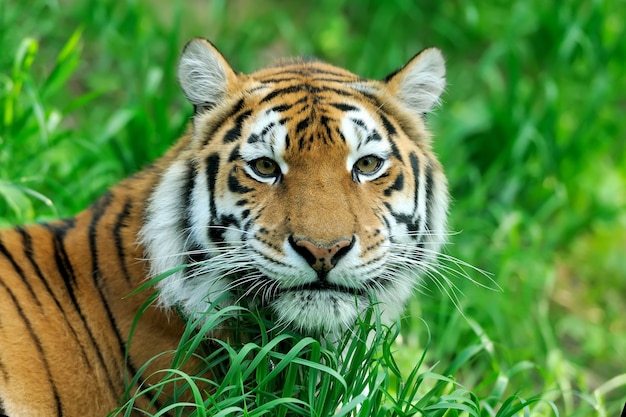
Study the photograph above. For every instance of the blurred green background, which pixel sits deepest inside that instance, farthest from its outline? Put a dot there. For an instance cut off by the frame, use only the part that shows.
(532, 133)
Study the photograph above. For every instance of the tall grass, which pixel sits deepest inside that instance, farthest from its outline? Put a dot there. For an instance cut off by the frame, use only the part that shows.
(531, 133)
(272, 371)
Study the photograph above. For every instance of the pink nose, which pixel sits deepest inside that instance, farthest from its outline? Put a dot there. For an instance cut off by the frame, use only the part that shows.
(322, 258)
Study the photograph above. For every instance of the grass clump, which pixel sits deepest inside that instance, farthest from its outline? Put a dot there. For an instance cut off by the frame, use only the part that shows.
(276, 372)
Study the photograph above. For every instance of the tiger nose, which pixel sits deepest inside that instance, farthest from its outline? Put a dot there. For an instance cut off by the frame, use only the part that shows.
(321, 258)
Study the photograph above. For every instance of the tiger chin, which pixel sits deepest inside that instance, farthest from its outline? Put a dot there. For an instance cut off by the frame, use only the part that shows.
(301, 188)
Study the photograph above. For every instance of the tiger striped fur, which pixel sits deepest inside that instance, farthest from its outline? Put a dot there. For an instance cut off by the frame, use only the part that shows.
(302, 188)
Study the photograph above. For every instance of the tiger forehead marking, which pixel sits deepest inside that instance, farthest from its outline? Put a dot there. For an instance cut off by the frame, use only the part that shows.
(307, 190)
(352, 133)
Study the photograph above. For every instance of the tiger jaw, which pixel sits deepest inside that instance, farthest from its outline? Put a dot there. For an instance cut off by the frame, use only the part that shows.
(319, 311)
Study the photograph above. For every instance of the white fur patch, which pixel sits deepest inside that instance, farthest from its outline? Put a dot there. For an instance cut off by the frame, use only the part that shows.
(162, 234)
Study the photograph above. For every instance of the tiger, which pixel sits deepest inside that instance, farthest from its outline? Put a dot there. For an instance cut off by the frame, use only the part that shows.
(307, 190)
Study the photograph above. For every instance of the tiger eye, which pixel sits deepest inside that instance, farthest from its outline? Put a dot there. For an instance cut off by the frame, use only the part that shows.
(368, 164)
(265, 167)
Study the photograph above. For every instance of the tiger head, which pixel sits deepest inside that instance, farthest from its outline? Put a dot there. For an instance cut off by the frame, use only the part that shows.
(302, 188)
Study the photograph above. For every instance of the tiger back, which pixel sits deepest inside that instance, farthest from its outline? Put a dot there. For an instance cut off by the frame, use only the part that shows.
(301, 189)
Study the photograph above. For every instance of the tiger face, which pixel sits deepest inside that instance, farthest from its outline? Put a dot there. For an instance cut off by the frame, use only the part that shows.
(303, 188)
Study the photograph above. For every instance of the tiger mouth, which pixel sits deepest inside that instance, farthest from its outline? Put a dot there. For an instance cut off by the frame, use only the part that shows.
(319, 286)
(325, 286)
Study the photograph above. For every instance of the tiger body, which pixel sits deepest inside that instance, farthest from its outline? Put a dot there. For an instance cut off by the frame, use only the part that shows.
(302, 188)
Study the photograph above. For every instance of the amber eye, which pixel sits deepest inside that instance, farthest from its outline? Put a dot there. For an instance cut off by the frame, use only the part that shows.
(368, 165)
(265, 167)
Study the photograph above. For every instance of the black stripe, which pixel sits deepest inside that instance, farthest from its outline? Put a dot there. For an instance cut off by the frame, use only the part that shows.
(405, 219)
(302, 125)
(332, 80)
(388, 125)
(398, 185)
(235, 132)
(394, 150)
(248, 222)
(283, 107)
(4, 251)
(186, 220)
(377, 104)
(185, 195)
(415, 167)
(306, 109)
(382, 178)
(372, 99)
(29, 253)
(267, 128)
(373, 137)
(287, 141)
(429, 196)
(358, 122)
(212, 168)
(235, 186)
(217, 233)
(234, 154)
(44, 359)
(64, 266)
(325, 121)
(237, 107)
(279, 79)
(120, 222)
(387, 224)
(253, 138)
(344, 107)
(340, 134)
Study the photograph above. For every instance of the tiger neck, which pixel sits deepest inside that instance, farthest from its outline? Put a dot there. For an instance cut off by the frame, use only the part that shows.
(114, 223)
(110, 266)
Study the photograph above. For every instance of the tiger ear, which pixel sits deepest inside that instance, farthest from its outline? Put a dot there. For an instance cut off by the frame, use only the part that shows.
(204, 74)
(420, 82)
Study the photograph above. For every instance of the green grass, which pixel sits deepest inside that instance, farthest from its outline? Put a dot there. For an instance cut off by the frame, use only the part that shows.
(531, 133)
